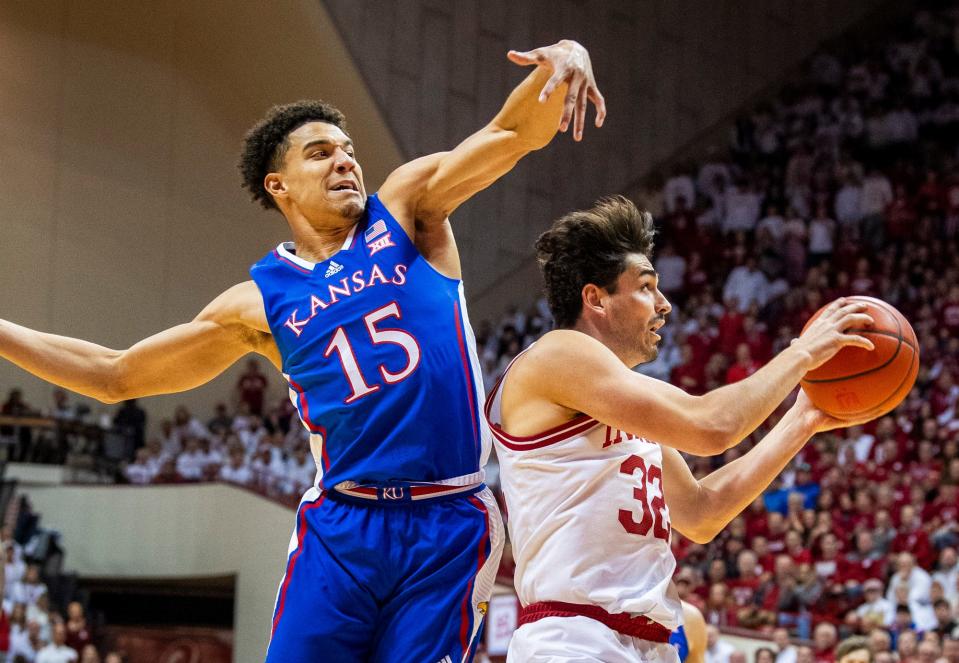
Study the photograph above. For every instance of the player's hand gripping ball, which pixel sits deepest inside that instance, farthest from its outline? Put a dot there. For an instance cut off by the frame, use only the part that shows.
(857, 383)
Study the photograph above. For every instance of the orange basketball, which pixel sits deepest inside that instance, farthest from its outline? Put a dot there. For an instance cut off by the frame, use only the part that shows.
(860, 383)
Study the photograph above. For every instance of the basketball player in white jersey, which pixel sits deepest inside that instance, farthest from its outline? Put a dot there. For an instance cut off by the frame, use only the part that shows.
(589, 449)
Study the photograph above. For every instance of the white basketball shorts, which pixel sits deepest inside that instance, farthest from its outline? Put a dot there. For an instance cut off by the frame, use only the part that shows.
(583, 640)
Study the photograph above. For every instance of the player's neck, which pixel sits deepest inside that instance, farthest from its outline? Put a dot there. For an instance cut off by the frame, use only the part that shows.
(591, 329)
(318, 244)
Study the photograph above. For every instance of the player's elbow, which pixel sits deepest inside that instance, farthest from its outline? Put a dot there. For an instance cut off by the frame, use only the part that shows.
(715, 430)
(701, 532)
(114, 384)
(709, 437)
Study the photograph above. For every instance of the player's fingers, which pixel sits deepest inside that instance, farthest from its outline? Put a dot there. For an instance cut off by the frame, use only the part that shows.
(856, 321)
(834, 306)
(858, 341)
(580, 113)
(526, 57)
(600, 102)
(568, 108)
(551, 85)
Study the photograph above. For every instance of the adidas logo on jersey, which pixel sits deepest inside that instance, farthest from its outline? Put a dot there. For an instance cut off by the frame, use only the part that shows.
(334, 268)
(445, 659)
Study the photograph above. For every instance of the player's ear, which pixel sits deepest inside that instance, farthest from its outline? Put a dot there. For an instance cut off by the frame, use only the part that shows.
(594, 298)
(274, 185)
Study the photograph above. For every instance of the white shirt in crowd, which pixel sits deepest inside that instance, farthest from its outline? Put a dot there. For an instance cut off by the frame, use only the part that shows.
(190, 464)
(139, 474)
(786, 655)
(20, 644)
(301, 475)
(882, 608)
(848, 208)
(918, 581)
(947, 580)
(24, 592)
(56, 654)
(13, 573)
(821, 233)
(672, 272)
(775, 225)
(746, 286)
(719, 653)
(241, 475)
(742, 210)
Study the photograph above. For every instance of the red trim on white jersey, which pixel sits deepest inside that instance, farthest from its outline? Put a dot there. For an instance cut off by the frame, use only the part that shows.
(576, 426)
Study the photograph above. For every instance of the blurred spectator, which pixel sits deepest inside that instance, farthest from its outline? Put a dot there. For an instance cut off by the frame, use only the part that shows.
(58, 651)
(854, 650)
(222, 421)
(131, 421)
(78, 633)
(717, 649)
(877, 609)
(251, 387)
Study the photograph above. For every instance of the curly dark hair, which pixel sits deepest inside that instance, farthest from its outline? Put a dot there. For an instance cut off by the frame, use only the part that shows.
(266, 144)
(590, 246)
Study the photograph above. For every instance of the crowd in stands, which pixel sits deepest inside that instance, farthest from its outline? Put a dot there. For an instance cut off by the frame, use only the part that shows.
(847, 183)
(32, 628)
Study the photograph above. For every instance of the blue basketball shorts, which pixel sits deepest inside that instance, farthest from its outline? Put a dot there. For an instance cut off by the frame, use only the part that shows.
(387, 582)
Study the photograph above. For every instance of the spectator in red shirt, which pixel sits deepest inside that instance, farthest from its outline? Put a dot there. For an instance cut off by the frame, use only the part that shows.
(913, 539)
(795, 548)
(730, 329)
(863, 562)
(824, 638)
(690, 375)
(744, 586)
(78, 633)
(251, 387)
(744, 367)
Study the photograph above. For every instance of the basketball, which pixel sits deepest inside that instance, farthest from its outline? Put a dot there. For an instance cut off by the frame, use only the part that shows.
(859, 383)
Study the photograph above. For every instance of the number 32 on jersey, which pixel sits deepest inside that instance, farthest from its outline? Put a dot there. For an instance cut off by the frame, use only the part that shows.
(653, 520)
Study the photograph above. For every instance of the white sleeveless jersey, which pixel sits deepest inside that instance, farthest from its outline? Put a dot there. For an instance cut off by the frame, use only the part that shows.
(587, 517)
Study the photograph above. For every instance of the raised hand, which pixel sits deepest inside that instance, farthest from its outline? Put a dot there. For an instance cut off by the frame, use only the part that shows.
(833, 330)
(570, 64)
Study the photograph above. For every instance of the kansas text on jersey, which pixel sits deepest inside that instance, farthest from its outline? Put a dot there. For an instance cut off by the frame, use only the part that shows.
(380, 359)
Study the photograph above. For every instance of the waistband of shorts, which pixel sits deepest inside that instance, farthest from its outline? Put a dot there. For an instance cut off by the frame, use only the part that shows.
(635, 626)
(403, 492)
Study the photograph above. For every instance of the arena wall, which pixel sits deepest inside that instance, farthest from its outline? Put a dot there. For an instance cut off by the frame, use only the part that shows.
(177, 531)
(121, 212)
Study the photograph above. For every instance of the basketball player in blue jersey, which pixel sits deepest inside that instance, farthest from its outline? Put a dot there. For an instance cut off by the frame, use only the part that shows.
(395, 548)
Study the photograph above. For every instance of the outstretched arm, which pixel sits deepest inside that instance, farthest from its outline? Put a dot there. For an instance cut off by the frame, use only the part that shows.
(703, 425)
(427, 190)
(177, 359)
(700, 509)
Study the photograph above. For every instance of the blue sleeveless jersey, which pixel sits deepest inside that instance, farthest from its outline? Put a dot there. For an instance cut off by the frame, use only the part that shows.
(379, 356)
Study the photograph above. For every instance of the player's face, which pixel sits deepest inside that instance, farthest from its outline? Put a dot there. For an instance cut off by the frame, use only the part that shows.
(320, 172)
(638, 309)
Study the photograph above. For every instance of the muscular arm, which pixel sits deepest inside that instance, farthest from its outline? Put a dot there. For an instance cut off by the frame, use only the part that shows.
(427, 190)
(173, 360)
(704, 425)
(700, 509)
(615, 395)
